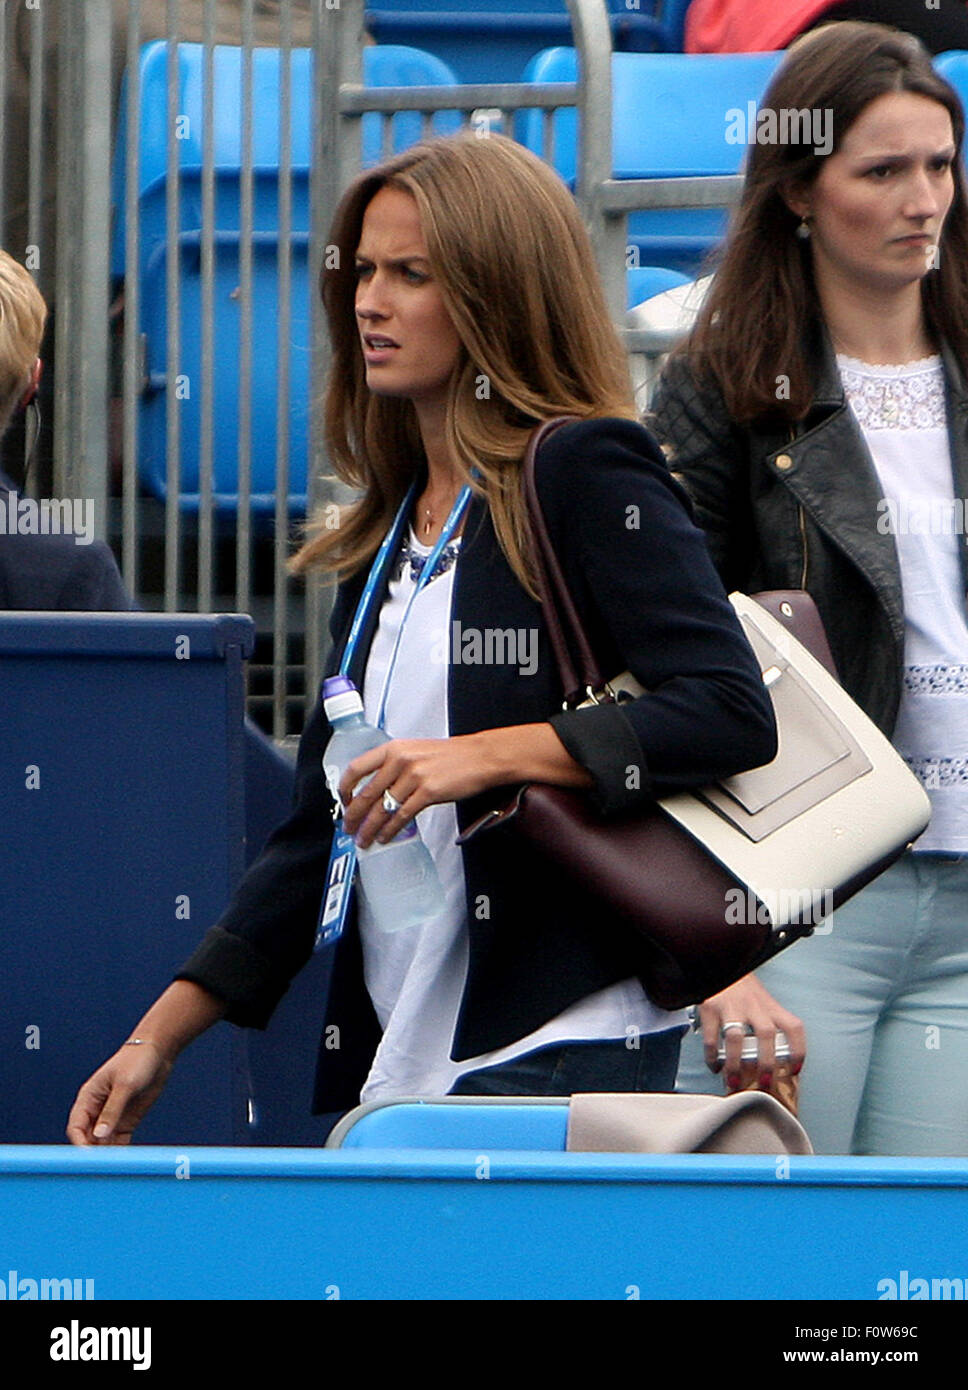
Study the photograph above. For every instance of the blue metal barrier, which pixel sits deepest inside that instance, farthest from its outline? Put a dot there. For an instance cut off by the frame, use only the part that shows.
(270, 777)
(122, 807)
(293, 1224)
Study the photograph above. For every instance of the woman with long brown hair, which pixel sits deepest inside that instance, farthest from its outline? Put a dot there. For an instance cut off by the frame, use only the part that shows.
(816, 415)
(464, 309)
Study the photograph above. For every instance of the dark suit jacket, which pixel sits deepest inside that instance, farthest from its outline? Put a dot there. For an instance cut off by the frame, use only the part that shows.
(650, 598)
(55, 572)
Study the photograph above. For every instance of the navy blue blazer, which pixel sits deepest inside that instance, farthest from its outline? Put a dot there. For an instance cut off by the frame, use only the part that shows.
(651, 601)
(48, 573)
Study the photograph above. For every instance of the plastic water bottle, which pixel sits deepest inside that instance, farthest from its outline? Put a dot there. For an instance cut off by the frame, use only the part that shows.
(399, 880)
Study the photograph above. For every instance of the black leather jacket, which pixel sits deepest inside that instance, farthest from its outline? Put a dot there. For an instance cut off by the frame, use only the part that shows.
(797, 507)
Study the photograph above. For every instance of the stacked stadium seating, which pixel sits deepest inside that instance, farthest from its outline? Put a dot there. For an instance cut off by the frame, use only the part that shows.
(493, 40)
(383, 67)
(650, 91)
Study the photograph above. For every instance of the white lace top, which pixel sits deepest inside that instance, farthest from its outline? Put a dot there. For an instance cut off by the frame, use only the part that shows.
(901, 411)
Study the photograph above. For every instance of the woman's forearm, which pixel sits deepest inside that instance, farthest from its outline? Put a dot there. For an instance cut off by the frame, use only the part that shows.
(427, 772)
(179, 1016)
(531, 753)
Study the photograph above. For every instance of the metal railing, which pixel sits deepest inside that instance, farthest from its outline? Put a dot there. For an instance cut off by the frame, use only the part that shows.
(210, 557)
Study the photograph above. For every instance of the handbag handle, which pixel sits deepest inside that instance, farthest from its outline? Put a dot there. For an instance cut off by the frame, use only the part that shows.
(552, 587)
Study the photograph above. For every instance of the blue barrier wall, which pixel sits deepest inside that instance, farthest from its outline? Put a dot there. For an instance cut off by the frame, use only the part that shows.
(121, 801)
(290, 1224)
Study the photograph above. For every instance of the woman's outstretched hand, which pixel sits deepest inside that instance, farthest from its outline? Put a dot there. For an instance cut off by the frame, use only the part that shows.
(426, 772)
(117, 1097)
(749, 1003)
(111, 1104)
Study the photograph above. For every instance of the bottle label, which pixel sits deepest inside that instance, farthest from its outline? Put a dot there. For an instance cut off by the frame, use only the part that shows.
(331, 773)
(339, 882)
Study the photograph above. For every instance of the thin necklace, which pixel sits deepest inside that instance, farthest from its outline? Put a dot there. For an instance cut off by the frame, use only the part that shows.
(428, 511)
(915, 355)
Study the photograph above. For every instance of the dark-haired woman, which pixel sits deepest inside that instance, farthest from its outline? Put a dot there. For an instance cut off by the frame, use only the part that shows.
(817, 415)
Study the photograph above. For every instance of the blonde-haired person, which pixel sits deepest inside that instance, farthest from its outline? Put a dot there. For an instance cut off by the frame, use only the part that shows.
(23, 315)
(464, 309)
(36, 571)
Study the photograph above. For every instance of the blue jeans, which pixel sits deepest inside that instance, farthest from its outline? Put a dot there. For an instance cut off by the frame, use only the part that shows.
(562, 1069)
(884, 999)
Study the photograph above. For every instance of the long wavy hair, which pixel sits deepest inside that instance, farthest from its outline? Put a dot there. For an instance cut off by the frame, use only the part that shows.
(515, 269)
(756, 318)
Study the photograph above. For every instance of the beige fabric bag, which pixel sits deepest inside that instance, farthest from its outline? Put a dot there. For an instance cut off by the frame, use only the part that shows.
(655, 1123)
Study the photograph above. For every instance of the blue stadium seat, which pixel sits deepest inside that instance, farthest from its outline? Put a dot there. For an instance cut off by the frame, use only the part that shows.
(672, 14)
(392, 66)
(644, 281)
(493, 40)
(953, 67)
(152, 449)
(455, 1122)
(655, 94)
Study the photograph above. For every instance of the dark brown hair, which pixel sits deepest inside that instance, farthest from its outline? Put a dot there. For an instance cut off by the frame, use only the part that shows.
(762, 302)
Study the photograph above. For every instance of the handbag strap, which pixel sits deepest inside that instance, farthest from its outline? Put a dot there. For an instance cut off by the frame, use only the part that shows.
(553, 589)
(795, 609)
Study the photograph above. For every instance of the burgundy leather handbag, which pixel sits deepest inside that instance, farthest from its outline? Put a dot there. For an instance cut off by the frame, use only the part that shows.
(653, 878)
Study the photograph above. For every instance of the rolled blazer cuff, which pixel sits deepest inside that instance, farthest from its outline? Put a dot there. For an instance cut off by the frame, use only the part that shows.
(236, 973)
(604, 742)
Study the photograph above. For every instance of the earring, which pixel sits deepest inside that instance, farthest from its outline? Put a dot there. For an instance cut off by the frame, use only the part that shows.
(803, 231)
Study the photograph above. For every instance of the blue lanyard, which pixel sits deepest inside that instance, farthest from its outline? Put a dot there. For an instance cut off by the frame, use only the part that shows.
(388, 549)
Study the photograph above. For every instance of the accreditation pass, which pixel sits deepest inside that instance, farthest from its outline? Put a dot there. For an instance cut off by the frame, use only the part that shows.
(339, 882)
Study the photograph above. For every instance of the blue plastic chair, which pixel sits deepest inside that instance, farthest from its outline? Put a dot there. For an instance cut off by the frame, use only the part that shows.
(669, 120)
(152, 451)
(673, 18)
(382, 67)
(455, 1122)
(644, 281)
(953, 67)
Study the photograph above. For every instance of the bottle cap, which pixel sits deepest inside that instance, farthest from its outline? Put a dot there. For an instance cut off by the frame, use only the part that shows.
(340, 697)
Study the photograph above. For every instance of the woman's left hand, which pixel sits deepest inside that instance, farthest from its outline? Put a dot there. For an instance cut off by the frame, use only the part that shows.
(417, 773)
(424, 772)
(749, 1003)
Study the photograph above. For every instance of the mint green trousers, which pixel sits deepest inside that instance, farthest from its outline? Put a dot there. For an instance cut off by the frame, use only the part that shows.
(884, 997)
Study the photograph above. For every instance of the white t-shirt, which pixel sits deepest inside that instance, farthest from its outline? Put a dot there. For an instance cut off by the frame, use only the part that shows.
(901, 411)
(415, 977)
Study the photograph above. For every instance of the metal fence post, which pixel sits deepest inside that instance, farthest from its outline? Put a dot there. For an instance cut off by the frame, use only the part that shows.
(593, 40)
(338, 43)
(84, 191)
